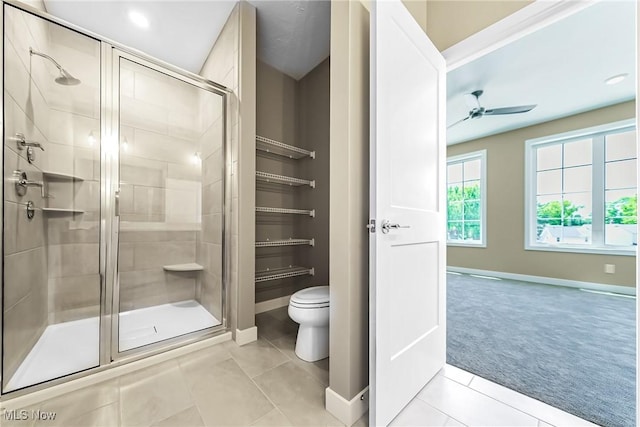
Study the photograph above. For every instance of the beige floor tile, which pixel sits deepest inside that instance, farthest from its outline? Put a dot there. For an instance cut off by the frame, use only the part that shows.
(76, 403)
(363, 421)
(273, 324)
(471, 407)
(526, 404)
(106, 416)
(419, 413)
(257, 357)
(153, 394)
(319, 369)
(17, 417)
(297, 394)
(188, 418)
(273, 418)
(203, 360)
(226, 396)
(457, 374)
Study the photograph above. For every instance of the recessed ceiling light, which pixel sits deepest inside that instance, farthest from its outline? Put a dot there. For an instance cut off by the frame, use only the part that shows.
(616, 79)
(139, 19)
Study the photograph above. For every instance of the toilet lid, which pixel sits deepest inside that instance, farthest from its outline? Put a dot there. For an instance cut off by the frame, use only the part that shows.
(314, 295)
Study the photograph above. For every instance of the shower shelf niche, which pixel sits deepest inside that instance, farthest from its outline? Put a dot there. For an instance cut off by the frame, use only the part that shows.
(285, 242)
(283, 273)
(281, 149)
(263, 209)
(191, 266)
(59, 176)
(281, 179)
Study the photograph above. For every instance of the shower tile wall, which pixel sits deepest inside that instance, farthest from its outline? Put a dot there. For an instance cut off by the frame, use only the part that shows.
(160, 187)
(25, 303)
(74, 149)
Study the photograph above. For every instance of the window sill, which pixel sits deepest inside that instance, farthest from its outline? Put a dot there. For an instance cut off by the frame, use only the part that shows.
(467, 245)
(583, 250)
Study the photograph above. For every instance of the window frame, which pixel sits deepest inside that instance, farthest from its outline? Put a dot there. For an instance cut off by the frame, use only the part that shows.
(461, 158)
(597, 134)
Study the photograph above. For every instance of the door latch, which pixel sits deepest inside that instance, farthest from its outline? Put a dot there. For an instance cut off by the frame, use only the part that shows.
(371, 225)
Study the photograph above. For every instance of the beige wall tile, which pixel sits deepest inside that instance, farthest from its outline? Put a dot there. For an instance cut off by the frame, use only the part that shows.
(156, 254)
(73, 259)
(212, 228)
(62, 228)
(25, 273)
(149, 201)
(74, 297)
(145, 288)
(20, 232)
(141, 171)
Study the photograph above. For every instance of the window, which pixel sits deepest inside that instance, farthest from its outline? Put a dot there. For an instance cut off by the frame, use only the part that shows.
(581, 191)
(466, 201)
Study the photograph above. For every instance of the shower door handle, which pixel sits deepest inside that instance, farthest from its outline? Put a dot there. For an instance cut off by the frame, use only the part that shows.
(117, 202)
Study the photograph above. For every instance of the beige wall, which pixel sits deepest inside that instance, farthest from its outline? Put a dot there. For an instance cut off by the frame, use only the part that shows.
(348, 203)
(313, 107)
(505, 209)
(276, 119)
(450, 22)
(296, 113)
(231, 63)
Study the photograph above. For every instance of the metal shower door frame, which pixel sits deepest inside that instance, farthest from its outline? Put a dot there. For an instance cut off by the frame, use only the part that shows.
(110, 156)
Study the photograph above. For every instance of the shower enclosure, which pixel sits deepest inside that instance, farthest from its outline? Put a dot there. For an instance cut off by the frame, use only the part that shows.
(113, 203)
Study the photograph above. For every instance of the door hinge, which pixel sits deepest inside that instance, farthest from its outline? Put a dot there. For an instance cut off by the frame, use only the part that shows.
(371, 225)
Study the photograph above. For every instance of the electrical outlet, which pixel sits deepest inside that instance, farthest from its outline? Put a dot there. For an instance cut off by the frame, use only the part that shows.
(610, 268)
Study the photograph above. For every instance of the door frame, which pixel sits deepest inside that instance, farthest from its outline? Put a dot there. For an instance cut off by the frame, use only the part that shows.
(521, 23)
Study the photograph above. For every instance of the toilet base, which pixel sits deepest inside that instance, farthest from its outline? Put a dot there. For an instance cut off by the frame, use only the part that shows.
(312, 343)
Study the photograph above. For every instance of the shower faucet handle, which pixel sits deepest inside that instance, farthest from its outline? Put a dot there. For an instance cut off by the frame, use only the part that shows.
(22, 142)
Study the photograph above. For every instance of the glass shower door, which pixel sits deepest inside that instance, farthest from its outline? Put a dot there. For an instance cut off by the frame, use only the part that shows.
(51, 291)
(171, 187)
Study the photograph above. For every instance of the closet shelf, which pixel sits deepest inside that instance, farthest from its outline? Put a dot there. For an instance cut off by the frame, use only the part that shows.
(281, 149)
(285, 242)
(281, 179)
(263, 209)
(283, 273)
(61, 210)
(191, 266)
(61, 176)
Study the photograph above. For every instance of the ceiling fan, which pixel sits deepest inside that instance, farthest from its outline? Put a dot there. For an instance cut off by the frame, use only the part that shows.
(478, 111)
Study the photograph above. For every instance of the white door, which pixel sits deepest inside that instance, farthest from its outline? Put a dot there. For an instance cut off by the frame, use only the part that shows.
(407, 265)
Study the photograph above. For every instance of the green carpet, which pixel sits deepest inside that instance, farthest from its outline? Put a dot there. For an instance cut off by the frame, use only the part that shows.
(572, 349)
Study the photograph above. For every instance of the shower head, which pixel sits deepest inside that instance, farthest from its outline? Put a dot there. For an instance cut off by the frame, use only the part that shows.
(65, 78)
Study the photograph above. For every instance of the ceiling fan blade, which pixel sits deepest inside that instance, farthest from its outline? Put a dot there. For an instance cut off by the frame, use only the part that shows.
(509, 110)
(458, 122)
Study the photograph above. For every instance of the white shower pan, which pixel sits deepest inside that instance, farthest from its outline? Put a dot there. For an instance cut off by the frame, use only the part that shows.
(69, 347)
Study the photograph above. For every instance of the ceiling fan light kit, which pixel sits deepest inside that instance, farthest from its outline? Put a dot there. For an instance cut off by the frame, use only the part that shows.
(478, 111)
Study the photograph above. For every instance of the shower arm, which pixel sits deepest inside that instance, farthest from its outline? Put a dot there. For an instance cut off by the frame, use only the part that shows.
(44, 55)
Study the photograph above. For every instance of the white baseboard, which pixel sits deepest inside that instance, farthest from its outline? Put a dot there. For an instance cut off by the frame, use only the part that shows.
(107, 373)
(272, 304)
(347, 411)
(245, 336)
(624, 290)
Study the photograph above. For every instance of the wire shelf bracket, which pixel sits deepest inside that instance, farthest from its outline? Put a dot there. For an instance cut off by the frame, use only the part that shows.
(281, 149)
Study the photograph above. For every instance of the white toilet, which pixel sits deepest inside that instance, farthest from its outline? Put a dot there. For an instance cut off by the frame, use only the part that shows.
(310, 308)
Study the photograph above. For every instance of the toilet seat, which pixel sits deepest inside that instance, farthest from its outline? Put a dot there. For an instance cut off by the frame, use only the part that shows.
(314, 297)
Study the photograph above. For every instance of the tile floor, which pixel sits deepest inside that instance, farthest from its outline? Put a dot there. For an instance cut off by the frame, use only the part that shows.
(265, 384)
